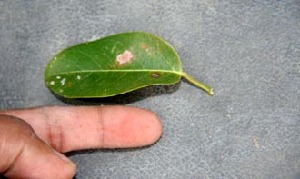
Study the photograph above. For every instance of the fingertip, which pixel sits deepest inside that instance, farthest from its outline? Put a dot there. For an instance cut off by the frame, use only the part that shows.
(67, 168)
(154, 128)
(62, 157)
(130, 127)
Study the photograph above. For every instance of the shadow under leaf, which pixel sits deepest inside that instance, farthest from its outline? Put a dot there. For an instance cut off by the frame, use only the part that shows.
(127, 98)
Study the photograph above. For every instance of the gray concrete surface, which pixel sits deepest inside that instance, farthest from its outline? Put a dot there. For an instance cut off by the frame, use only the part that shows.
(249, 51)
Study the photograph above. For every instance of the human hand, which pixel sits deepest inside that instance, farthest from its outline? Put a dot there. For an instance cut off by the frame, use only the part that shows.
(32, 140)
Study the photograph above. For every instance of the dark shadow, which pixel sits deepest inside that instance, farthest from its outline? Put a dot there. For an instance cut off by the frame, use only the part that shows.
(118, 150)
(127, 98)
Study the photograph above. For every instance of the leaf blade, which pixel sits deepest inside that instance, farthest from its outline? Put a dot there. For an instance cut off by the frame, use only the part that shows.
(113, 65)
(104, 85)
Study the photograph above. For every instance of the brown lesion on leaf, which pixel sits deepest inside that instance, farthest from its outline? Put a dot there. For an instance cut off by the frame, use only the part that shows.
(124, 58)
(155, 74)
(144, 46)
(149, 50)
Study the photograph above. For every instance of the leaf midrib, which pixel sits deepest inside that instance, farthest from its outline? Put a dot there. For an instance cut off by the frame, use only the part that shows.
(180, 73)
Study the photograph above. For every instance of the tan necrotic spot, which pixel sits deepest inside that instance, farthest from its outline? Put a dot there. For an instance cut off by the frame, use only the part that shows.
(144, 46)
(155, 74)
(149, 50)
(124, 58)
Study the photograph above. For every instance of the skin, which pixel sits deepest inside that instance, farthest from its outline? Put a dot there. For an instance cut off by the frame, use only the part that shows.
(32, 140)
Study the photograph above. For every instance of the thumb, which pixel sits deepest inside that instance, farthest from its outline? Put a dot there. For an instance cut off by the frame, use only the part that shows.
(24, 155)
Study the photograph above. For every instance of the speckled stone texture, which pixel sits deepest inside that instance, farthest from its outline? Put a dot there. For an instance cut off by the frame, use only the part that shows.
(249, 51)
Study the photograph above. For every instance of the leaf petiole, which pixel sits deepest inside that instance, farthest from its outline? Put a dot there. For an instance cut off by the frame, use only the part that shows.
(192, 80)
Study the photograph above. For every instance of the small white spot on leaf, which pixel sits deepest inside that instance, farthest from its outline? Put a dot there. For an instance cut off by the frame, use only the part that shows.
(78, 77)
(58, 77)
(52, 83)
(124, 58)
(63, 82)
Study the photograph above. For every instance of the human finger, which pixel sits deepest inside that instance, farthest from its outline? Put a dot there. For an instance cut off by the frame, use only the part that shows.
(84, 127)
(24, 155)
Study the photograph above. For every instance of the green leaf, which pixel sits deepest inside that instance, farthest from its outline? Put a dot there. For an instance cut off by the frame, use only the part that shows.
(115, 64)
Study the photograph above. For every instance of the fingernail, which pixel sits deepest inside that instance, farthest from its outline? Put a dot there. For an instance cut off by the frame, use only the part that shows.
(63, 157)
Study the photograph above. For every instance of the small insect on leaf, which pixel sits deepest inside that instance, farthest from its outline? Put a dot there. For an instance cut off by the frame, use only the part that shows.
(115, 64)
